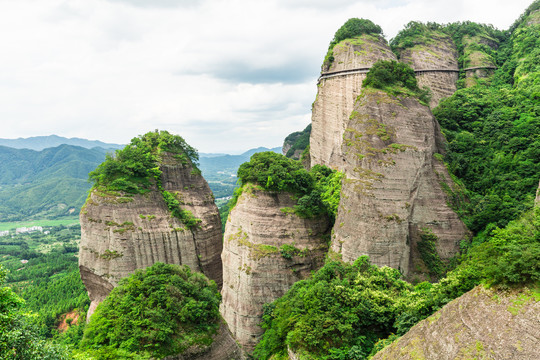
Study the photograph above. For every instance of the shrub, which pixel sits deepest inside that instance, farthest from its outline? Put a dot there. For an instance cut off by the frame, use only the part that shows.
(162, 310)
(352, 28)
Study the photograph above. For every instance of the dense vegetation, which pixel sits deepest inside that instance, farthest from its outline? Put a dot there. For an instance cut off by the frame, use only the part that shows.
(135, 168)
(349, 311)
(298, 140)
(45, 184)
(352, 28)
(49, 281)
(395, 78)
(19, 339)
(159, 311)
(317, 190)
(492, 131)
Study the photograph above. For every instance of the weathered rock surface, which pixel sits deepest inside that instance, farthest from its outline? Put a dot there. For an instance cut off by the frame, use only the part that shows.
(120, 234)
(255, 271)
(223, 347)
(481, 324)
(537, 200)
(439, 53)
(393, 189)
(336, 96)
(478, 64)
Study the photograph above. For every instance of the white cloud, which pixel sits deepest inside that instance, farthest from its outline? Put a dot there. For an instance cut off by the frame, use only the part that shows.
(226, 75)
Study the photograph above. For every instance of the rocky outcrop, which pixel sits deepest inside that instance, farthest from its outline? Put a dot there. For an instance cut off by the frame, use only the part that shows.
(482, 324)
(478, 64)
(337, 93)
(537, 200)
(394, 196)
(223, 347)
(437, 53)
(267, 248)
(121, 233)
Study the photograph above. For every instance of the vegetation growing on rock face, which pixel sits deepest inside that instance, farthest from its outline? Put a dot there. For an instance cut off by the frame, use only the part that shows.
(135, 168)
(318, 190)
(395, 78)
(344, 310)
(160, 311)
(492, 132)
(298, 140)
(132, 168)
(352, 28)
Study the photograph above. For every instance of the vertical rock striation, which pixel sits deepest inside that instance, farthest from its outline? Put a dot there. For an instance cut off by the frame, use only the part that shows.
(257, 267)
(337, 93)
(122, 233)
(481, 324)
(394, 193)
(435, 61)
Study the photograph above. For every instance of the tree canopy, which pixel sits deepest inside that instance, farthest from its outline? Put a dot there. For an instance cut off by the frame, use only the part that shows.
(161, 310)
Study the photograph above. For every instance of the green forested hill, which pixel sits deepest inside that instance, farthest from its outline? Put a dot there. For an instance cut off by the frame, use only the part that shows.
(48, 183)
(39, 143)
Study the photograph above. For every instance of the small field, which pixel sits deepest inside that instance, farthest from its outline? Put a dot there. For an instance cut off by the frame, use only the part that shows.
(18, 224)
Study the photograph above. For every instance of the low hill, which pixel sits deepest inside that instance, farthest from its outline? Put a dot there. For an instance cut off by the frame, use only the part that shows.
(42, 142)
(45, 184)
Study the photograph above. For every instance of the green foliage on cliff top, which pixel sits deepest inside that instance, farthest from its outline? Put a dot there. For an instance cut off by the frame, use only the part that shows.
(132, 168)
(352, 28)
(344, 310)
(492, 131)
(395, 78)
(161, 311)
(318, 190)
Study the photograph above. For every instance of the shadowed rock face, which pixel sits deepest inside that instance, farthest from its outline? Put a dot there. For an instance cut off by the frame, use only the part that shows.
(223, 347)
(392, 189)
(255, 271)
(537, 200)
(336, 96)
(120, 234)
(440, 54)
(481, 324)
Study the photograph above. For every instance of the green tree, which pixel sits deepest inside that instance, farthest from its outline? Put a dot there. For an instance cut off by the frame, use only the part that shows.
(160, 311)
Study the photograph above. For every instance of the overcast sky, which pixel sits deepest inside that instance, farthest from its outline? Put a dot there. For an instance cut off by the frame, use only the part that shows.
(227, 75)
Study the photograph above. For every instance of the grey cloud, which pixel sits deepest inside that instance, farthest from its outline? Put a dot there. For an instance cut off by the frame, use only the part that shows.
(238, 72)
(159, 3)
(339, 4)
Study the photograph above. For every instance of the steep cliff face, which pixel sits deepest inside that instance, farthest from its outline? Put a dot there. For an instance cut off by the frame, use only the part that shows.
(223, 347)
(435, 61)
(266, 250)
(537, 200)
(337, 93)
(482, 324)
(477, 62)
(121, 233)
(392, 198)
(295, 143)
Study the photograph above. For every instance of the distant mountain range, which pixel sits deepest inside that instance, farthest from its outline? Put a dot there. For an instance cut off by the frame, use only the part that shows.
(45, 184)
(53, 181)
(43, 142)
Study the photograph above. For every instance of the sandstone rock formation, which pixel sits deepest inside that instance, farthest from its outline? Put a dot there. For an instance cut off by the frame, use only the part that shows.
(481, 324)
(337, 93)
(437, 61)
(121, 233)
(394, 191)
(257, 268)
(478, 63)
(223, 347)
(537, 200)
